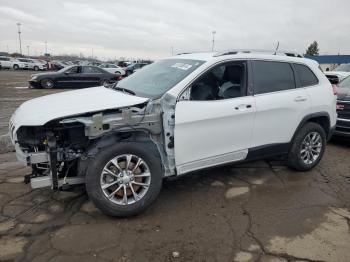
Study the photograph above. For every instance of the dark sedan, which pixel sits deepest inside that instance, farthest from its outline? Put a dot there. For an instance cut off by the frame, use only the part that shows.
(343, 108)
(73, 77)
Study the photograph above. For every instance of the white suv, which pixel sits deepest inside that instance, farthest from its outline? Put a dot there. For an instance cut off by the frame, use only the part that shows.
(178, 115)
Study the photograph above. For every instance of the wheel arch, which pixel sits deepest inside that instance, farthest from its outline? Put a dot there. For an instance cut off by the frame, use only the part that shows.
(110, 139)
(321, 118)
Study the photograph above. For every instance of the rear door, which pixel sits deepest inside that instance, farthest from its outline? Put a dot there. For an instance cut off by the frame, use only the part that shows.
(280, 104)
(91, 76)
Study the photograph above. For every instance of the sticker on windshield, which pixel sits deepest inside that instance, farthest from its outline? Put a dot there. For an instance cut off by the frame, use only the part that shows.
(182, 66)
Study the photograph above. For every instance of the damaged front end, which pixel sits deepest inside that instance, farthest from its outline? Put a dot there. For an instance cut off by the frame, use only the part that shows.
(60, 151)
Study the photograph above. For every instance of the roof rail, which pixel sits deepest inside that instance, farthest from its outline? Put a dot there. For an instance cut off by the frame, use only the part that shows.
(250, 51)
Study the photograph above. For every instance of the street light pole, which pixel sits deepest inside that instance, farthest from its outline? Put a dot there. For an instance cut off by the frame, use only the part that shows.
(212, 47)
(45, 47)
(19, 37)
(28, 49)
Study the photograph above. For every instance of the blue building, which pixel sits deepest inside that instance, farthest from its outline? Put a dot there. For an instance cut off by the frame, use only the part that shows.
(329, 62)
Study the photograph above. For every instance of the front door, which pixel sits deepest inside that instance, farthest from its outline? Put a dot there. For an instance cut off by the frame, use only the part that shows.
(214, 125)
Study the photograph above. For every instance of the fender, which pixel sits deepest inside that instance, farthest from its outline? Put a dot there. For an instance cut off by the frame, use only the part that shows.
(307, 118)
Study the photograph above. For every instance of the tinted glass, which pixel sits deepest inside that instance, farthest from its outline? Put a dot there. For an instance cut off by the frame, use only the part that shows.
(306, 76)
(345, 83)
(91, 70)
(70, 70)
(4, 59)
(272, 77)
(222, 82)
(156, 79)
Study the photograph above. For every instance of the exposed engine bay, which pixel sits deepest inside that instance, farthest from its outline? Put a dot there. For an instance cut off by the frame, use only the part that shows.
(59, 152)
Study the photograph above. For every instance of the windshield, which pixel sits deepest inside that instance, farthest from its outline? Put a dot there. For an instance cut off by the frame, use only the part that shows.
(64, 69)
(345, 83)
(156, 79)
(343, 67)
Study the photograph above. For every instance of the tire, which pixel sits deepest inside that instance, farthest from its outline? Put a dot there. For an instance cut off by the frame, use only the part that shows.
(47, 83)
(36, 68)
(105, 83)
(128, 73)
(305, 153)
(15, 67)
(104, 199)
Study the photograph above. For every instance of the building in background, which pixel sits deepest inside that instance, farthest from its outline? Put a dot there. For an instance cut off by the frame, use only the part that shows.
(330, 61)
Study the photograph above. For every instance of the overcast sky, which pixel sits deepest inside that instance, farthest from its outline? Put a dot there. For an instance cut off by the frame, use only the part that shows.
(148, 29)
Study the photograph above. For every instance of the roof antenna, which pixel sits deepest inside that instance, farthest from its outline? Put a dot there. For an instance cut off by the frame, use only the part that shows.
(278, 44)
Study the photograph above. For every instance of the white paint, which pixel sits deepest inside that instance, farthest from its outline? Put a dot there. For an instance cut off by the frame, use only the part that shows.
(39, 111)
(22, 87)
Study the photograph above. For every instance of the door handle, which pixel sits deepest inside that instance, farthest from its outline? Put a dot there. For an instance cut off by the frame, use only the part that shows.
(300, 98)
(243, 107)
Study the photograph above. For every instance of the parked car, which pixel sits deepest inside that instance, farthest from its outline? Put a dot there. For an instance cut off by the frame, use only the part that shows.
(73, 77)
(178, 115)
(338, 74)
(343, 108)
(18, 63)
(6, 62)
(112, 68)
(33, 64)
(134, 67)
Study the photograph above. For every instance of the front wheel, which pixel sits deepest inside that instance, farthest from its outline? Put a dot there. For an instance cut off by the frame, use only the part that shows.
(36, 68)
(308, 147)
(47, 83)
(125, 179)
(15, 67)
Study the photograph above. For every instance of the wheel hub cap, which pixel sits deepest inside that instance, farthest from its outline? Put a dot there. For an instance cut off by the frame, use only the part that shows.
(311, 148)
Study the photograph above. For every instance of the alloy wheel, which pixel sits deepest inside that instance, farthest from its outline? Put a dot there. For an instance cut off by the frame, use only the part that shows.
(311, 148)
(125, 179)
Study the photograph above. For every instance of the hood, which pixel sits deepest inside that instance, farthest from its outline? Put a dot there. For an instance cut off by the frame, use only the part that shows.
(39, 111)
(340, 74)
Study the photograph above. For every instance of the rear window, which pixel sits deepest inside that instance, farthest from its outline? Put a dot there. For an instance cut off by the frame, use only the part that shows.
(306, 76)
(4, 59)
(272, 77)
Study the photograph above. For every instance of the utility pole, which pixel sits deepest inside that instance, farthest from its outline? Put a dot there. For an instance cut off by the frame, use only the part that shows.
(45, 47)
(92, 53)
(19, 37)
(28, 49)
(212, 47)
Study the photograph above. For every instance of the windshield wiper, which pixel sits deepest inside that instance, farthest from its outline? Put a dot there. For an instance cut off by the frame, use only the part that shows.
(124, 90)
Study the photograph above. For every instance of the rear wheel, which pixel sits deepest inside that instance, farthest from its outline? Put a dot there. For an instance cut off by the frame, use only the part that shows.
(15, 67)
(308, 147)
(36, 68)
(104, 83)
(124, 179)
(47, 83)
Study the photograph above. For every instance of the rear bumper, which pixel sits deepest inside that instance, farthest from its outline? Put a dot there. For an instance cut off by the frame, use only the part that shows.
(342, 127)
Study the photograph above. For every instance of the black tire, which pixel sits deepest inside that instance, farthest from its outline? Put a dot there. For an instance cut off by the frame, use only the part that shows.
(93, 175)
(36, 68)
(128, 73)
(47, 83)
(295, 160)
(15, 67)
(104, 83)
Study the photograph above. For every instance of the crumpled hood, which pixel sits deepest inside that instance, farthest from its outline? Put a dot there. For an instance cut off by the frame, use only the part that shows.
(39, 111)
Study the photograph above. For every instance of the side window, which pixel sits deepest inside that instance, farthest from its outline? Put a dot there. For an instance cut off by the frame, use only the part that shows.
(272, 76)
(306, 76)
(222, 82)
(73, 70)
(90, 70)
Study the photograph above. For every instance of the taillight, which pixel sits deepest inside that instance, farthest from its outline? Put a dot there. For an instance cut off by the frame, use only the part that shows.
(334, 87)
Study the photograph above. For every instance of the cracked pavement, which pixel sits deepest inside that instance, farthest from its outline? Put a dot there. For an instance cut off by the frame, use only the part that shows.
(258, 211)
